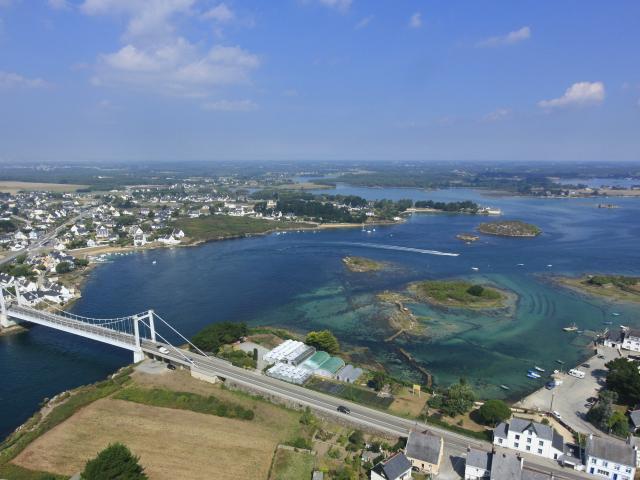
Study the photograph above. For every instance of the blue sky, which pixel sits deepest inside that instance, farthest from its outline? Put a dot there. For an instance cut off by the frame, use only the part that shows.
(101, 80)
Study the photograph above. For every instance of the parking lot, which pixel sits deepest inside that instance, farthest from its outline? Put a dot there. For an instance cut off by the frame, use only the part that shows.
(570, 398)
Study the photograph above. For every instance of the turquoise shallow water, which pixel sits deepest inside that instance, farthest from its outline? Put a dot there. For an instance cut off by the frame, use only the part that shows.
(298, 281)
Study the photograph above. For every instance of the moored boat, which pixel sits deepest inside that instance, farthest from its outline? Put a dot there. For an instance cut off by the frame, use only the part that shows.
(539, 369)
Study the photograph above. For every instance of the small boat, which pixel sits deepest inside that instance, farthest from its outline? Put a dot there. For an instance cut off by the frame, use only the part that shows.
(560, 362)
(607, 323)
(504, 387)
(533, 375)
(475, 269)
(539, 369)
(615, 314)
(549, 265)
(154, 262)
(570, 328)
(520, 264)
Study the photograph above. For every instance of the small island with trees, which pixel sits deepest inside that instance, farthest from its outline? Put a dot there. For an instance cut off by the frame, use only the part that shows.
(617, 287)
(363, 265)
(459, 294)
(509, 228)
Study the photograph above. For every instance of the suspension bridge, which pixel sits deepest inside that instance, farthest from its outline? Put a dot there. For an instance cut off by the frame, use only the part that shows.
(136, 333)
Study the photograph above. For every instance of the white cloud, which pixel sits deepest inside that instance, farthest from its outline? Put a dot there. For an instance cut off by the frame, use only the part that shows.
(509, 39)
(580, 93)
(13, 80)
(416, 20)
(364, 22)
(231, 106)
(496, 115)
(340, 5)
(59, 4)
(220, 13)
(156, 58)
(177, 69)
(146, 18)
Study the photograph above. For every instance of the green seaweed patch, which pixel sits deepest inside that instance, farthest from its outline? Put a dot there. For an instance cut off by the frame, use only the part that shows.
(459, 294)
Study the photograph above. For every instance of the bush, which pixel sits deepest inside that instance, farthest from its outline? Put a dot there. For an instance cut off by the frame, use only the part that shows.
(475, 290)
(114, 462)
(63, 267)
(211, 338)
(323, 340)
(494, 411)
(300, 442)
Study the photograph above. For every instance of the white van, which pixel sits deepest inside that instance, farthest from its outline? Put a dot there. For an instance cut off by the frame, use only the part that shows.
(574, 372)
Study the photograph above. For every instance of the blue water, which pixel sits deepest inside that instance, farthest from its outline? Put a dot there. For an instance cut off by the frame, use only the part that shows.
(298, 281)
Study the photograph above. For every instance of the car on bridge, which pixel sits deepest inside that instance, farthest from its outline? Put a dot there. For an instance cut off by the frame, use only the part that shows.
(343, 409)
(162, 349)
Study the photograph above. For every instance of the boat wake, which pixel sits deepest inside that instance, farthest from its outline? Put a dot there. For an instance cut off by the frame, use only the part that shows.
(400, 249)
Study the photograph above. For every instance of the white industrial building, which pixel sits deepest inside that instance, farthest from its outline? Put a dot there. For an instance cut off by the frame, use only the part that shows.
(291, 352)
(289, 373)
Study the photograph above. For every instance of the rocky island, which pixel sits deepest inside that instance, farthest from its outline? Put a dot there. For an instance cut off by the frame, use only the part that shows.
(363, 265)
(458, 294)
(509, 228)
(467, 237)
(616, 287)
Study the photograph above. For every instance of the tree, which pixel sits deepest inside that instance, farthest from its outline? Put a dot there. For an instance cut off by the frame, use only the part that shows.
(600, 414)
(63, 267)
(624, 379)
(494, 411)
(456, 400)
(323, 340)
(211, 338)
(116, 462)
(618, 424)
(475, 290)
(378, 381)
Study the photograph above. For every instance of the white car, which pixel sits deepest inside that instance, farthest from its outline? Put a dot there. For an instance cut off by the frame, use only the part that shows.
(556, 414)
(162, 349)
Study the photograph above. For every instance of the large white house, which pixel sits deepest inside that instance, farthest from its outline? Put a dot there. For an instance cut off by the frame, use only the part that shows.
(615, 460)
(631, 340)
(530, 437)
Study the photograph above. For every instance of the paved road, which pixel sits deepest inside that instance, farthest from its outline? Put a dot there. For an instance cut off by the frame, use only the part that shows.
(41, 242)
(455, 444)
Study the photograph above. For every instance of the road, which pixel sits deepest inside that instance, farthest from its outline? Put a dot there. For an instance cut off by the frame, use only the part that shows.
(455, 444)
(41, 242)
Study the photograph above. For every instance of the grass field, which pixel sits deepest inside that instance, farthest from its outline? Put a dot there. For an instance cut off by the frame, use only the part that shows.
(291, 465)
(172, 442)
(15, 187)
(456, 293)
(216, 227)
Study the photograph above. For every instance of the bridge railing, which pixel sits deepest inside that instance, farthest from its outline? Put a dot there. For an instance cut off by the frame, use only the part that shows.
(121, 335)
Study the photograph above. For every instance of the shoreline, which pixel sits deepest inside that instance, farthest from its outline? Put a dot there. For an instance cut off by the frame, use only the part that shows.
(576, 284)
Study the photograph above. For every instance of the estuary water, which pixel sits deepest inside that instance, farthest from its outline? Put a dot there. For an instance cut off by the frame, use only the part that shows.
(297, 280)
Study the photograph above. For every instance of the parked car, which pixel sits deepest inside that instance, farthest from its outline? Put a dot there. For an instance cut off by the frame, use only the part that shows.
(343, 409)
(586, 365)
(550, 385)
(171, 366)
(601, 356)
(592, 399)
(556, 414)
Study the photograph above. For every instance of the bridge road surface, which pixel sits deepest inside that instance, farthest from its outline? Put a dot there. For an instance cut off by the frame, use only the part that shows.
(455, 444)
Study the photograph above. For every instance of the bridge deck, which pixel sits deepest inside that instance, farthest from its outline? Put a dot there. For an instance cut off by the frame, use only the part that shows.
(76, 327)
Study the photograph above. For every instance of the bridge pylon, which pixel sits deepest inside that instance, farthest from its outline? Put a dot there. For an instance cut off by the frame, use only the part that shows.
(4, 318)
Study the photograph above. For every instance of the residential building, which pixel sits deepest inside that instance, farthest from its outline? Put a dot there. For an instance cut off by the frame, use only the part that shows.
(477, 465)
(530, 437)
(397, 467)
(425, 450)
(608, 458)
(631, 340)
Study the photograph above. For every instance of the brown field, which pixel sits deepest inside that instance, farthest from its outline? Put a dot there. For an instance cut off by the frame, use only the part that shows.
(171, 443)
(15, 187)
